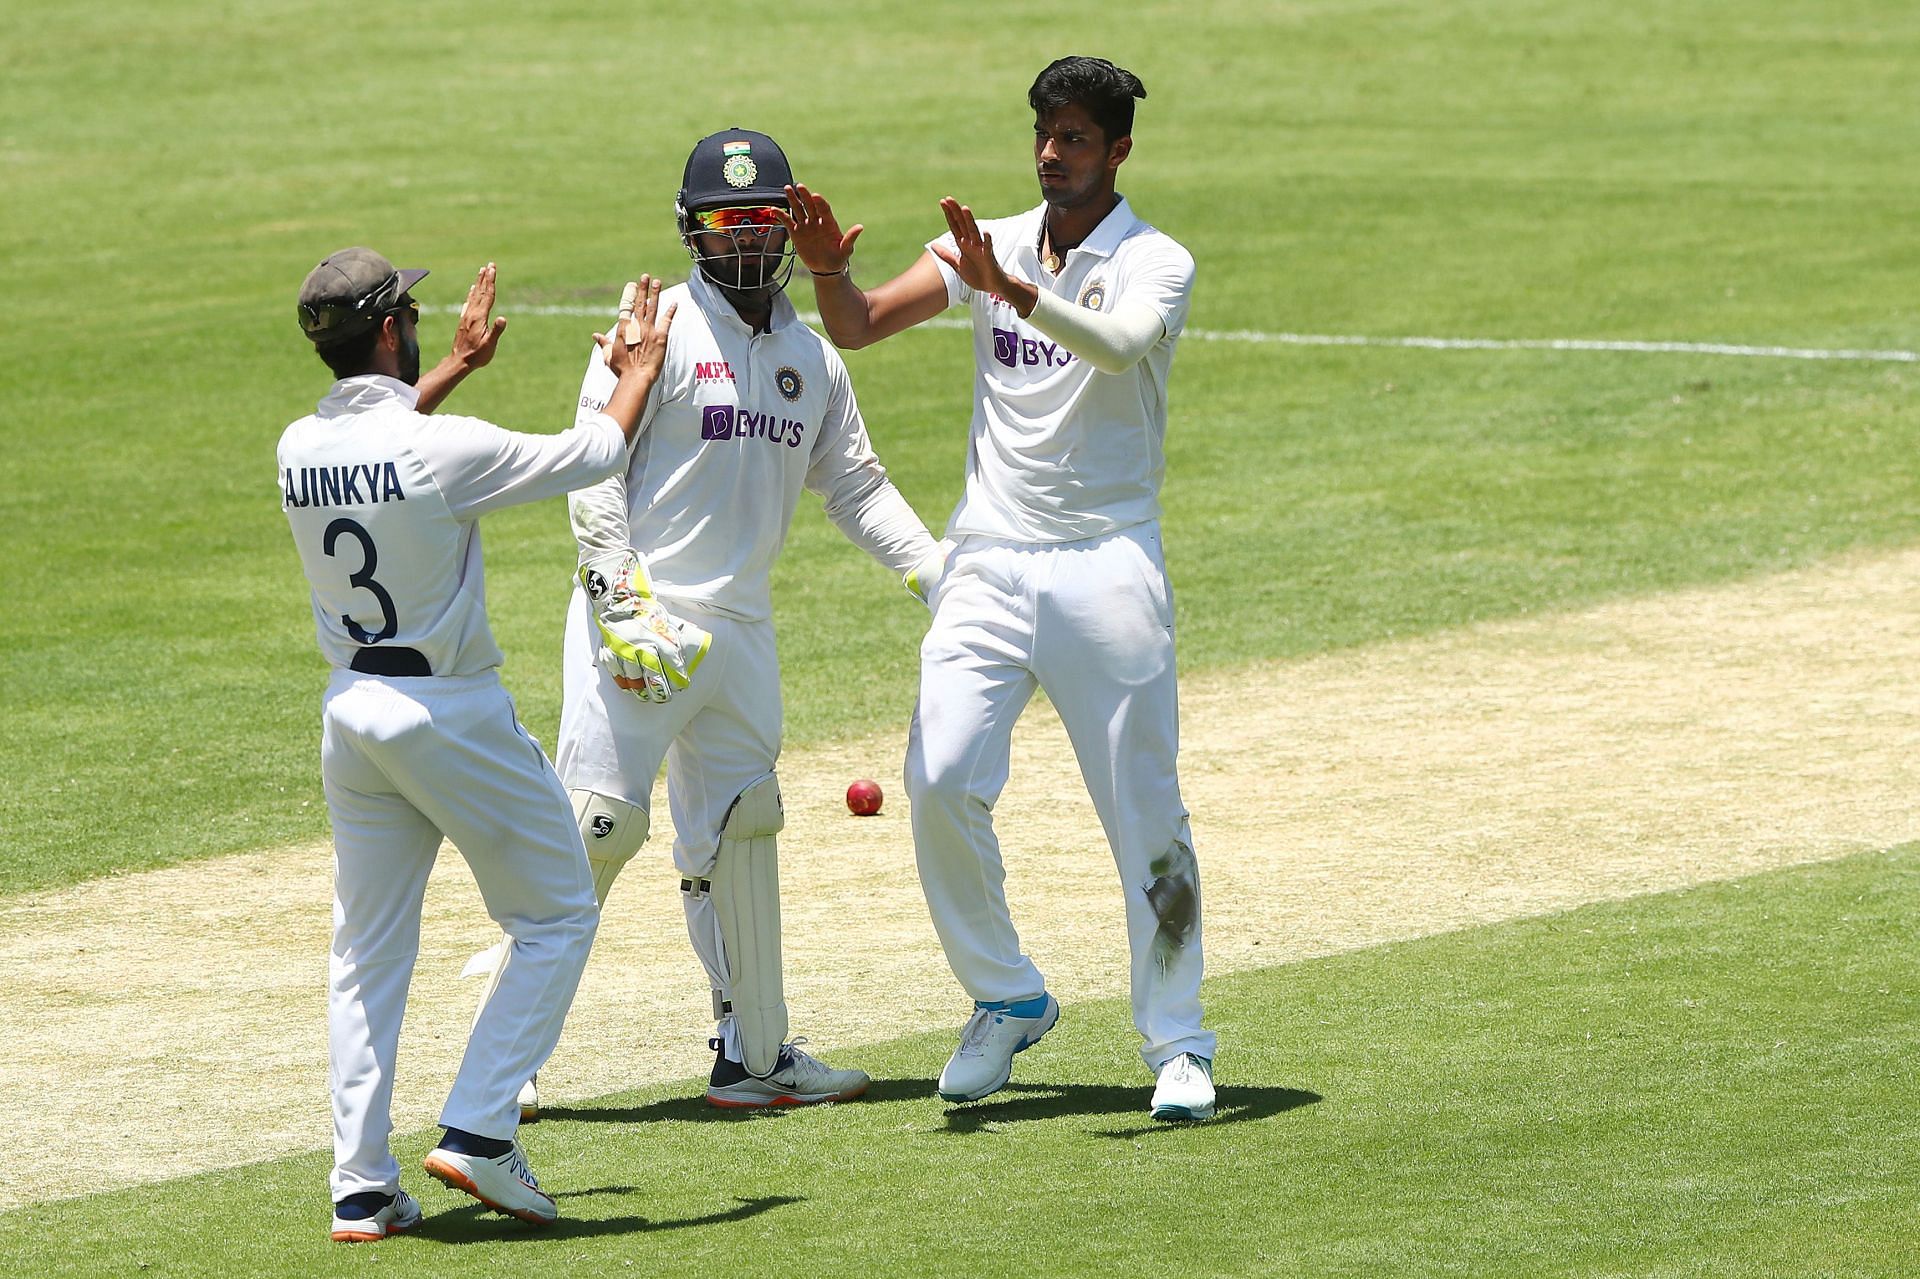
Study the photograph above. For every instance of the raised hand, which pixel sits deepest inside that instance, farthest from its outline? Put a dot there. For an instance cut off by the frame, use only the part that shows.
(815, 232)
(638, 342)
(972, 254)
(474, 339)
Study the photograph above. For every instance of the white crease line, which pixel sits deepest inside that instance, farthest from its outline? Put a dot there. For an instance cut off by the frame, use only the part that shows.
(1418, 343)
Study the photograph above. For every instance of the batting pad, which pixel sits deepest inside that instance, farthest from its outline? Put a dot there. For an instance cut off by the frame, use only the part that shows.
(746, 899)
(612, 830)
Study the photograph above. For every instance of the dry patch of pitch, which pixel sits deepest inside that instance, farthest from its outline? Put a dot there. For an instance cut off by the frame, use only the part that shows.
(173, 1021)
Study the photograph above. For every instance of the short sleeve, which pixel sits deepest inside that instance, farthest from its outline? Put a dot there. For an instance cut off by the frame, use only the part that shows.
(1164, 282)
(957, 290)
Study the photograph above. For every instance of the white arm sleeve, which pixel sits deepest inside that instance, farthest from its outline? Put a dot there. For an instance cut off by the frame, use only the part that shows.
(885, 527)
(1112, 342)
(861, 501)
(599, 513)
(599, 516)
(480, 467)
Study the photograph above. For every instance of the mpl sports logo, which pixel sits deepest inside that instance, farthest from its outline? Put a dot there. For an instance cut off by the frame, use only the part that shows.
(726, 422)
(1015, 351)
(705, 371)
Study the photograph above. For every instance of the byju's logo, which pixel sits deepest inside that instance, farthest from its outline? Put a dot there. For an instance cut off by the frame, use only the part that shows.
(1006, 347)
(716, 422)
(1012, 350)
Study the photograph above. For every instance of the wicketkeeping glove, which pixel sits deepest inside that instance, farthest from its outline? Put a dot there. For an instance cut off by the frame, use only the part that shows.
(646, 649)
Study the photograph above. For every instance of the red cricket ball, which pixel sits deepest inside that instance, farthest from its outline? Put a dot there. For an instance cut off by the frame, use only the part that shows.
(863, 797)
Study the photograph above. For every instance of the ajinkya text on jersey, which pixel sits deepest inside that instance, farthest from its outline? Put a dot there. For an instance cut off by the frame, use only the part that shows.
(342, 485)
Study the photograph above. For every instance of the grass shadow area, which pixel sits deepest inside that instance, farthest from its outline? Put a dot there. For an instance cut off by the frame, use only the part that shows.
(1717, 1081)
(475, 1223)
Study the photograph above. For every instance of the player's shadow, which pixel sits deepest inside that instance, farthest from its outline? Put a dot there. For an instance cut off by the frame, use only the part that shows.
(1019, 1103)
(695, 1109)
(472, 1222)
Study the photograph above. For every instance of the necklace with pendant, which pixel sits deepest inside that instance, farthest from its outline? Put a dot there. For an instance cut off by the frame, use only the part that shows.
(1049, 259)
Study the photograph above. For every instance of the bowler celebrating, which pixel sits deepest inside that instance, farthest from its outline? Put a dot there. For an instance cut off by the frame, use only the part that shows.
(1055, 579)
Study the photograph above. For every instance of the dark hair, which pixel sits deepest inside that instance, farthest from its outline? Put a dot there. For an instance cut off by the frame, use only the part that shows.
(1106, 91)
(351, 356)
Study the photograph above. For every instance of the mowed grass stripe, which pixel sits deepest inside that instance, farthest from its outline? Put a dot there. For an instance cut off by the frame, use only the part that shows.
(1716, 1081)
(1596, 345)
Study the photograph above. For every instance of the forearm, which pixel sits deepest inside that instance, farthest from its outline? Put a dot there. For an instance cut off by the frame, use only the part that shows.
(856, 318)
(629, 399)
(599, 517)
(843, 309)
(437, 383)
(1112, 342)
(881, 523)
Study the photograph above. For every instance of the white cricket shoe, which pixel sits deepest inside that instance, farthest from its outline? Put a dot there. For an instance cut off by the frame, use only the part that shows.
(396, 1218)
(1185, 1089)
(983, 1062)
(503, 1183)
(798, 1079)
(530, 1100)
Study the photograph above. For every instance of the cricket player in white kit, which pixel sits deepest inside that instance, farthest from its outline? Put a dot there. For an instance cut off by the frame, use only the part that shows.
(419, 740)
(751, 407)
(1055, 579)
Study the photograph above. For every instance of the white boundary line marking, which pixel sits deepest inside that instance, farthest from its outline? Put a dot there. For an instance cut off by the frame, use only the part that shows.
(1417, 343)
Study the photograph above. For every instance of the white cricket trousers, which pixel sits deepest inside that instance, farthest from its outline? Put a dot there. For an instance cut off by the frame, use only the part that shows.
(718, 736)
(406, 761)
(1091, 623)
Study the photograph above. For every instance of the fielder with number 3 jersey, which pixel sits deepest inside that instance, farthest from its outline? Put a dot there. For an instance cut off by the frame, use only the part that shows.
(1055, 578)
(751, 407)
(419, 741)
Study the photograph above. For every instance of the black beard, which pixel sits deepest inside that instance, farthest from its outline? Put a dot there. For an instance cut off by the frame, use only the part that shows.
(410, 359)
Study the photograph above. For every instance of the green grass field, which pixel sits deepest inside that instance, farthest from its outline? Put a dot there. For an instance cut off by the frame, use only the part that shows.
(1701, 171)
(1715, 1083)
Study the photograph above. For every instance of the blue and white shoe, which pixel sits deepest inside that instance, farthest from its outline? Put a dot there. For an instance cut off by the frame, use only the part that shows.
(356, 1220)
(1184, 1093)
(503, 1182)
(798, 1079)
(983, 1062)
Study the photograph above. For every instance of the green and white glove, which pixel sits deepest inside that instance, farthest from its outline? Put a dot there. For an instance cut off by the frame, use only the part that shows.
(923, 579)
(648, 651)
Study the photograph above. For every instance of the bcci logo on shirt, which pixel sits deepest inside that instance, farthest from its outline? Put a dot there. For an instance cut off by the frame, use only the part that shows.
(1094, 296)
(790, 382)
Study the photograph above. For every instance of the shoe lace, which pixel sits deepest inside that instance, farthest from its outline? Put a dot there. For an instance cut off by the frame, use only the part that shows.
(973, 1037)
(518, 1166)
(1185, 1069)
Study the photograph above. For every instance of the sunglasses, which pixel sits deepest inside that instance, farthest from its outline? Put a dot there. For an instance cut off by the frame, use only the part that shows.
(330, 315)
(762, 220)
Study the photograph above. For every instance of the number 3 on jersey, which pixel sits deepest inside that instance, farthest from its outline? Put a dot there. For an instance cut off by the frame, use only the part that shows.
(363, 579)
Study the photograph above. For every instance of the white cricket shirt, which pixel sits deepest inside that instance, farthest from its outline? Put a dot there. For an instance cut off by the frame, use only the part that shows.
(737, 424)
(383, 499)
(1058, 450)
